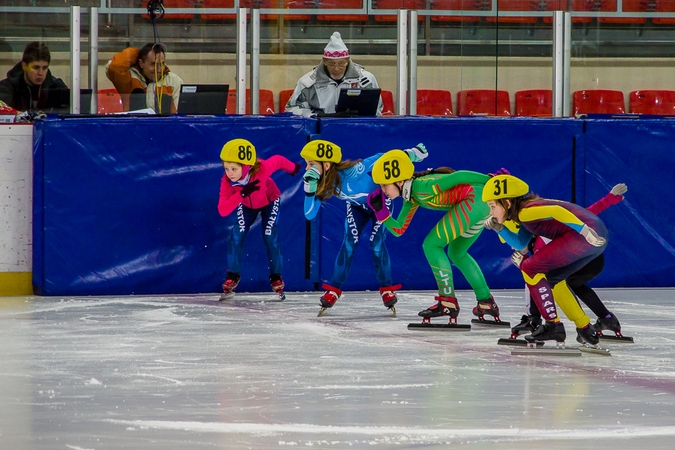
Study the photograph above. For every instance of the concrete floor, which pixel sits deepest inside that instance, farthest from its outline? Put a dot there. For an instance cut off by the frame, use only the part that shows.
(189, 372)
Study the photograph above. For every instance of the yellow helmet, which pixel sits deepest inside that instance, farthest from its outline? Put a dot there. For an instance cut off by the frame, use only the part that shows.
(393, 166)
(238, 151)
(504, 186)
(321, 150)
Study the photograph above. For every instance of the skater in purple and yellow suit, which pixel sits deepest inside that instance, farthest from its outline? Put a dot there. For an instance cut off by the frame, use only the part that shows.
(577, 238)
(457, 194)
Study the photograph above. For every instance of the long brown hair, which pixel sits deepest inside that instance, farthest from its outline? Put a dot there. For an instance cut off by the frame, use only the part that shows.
(440, 170)
(330, 183)
(517, 204)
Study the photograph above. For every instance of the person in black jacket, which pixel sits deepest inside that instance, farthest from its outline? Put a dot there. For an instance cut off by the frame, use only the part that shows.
(30, 86)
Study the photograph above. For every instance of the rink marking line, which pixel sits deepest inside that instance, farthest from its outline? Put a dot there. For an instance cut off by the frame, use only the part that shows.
(258, 428)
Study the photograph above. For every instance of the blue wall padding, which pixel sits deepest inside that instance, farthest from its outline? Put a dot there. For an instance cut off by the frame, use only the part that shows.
(129, 205)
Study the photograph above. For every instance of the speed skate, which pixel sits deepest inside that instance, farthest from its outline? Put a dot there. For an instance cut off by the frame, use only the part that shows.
(452, 325)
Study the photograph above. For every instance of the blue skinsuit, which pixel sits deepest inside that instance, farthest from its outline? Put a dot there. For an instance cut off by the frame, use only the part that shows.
(355, 187)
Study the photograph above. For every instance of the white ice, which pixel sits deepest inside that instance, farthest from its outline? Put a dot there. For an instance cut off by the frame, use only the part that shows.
(189, 372)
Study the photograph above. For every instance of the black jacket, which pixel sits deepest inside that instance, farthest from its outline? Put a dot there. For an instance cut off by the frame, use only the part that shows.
(16, 93)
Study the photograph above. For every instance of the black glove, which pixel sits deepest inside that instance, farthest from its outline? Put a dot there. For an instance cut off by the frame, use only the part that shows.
(250, 188)
(296, 170)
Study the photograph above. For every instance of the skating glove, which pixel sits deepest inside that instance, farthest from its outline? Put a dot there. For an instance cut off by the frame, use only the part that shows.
(376, 202)
(619, 189)
(250, 188)
(517, 259)
(311, 179)
(501, 171)
(492, 224)
(592, 237)
(296, 169)
(417, 153)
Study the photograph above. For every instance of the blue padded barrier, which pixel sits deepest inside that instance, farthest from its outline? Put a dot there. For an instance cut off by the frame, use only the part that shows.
(129, 205)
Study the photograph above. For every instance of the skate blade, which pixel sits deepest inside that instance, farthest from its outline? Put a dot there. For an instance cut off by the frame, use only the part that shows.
(517, 342)
(393, 310)
(227, 296)
(586, 348)
(551, 351)
(617, 339)
(439, 327)
(492, 323)
(321, 311)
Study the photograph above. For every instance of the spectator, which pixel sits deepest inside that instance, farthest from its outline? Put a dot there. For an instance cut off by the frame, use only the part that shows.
(318, 90)
(29, 85)
(133, 71)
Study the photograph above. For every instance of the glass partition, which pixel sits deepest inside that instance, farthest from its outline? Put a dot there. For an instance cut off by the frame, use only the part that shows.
(485, 57)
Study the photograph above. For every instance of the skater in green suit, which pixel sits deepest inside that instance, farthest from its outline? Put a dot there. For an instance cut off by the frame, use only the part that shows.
(458, 195)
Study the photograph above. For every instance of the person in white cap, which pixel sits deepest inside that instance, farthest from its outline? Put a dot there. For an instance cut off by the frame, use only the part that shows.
(317, 91)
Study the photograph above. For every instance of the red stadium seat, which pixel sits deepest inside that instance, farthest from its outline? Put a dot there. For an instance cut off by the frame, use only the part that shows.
(341, 4)
(483, 102)
(664, 6)
(434, 102)
(577, 5)
(288, 4)
(109, 101)
(534, 103)
(284, 95)
(397, 4)
(388, 101)
(658, 102)
(515, 5)
(455, 5)
(266, 102)
(628, 6)
(168, 4)
(598, 101)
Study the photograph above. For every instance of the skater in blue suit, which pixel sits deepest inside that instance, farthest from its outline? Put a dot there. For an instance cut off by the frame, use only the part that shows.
(328, 175)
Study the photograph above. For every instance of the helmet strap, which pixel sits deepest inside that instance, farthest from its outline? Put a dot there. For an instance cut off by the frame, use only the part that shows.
(406, 190)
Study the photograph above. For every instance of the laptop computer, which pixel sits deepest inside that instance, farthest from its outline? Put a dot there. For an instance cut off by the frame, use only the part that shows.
(60, 98)
(205, 99)
(363, 102)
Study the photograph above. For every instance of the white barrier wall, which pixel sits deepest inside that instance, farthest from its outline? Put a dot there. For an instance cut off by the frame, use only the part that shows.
(16, 209)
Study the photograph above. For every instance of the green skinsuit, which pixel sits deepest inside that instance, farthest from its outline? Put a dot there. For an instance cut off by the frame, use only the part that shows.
(459, 194)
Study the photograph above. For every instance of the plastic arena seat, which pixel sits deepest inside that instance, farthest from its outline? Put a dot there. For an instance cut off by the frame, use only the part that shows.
(388, 102)
(628, 6)
(397, 4)
(455, 5)
(598, 101)
(483, 102)
(664, 6)
(168, 4)
(341, 4)
(577, 6)
(263, 4)
(534, 102)
(109, 101)
(284, 95)
(515, 5)
(657, 102)
(434, 102)
(266, 102)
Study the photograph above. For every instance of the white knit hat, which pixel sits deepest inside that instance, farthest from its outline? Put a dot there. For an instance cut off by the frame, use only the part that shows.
(336, 49)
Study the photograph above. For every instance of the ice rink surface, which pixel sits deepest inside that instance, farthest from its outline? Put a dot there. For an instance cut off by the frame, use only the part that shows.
(189, 372)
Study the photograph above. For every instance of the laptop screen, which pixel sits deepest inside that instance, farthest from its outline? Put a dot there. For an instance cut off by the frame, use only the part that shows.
(203, 99)
(60, 98)
(362, 101)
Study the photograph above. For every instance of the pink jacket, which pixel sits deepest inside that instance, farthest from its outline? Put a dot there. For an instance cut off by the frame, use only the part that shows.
(230, 196)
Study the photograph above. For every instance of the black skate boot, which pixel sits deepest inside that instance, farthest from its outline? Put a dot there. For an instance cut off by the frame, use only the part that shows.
(490, 308)
(446, 306)
(548, 331)
(328, 298)
(610, 323)
(230, 284)
(388, 294)
(587, 336)
(278, 285)
(527, 325)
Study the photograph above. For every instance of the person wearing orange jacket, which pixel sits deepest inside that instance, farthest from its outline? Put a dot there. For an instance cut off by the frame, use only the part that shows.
(143, 72)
